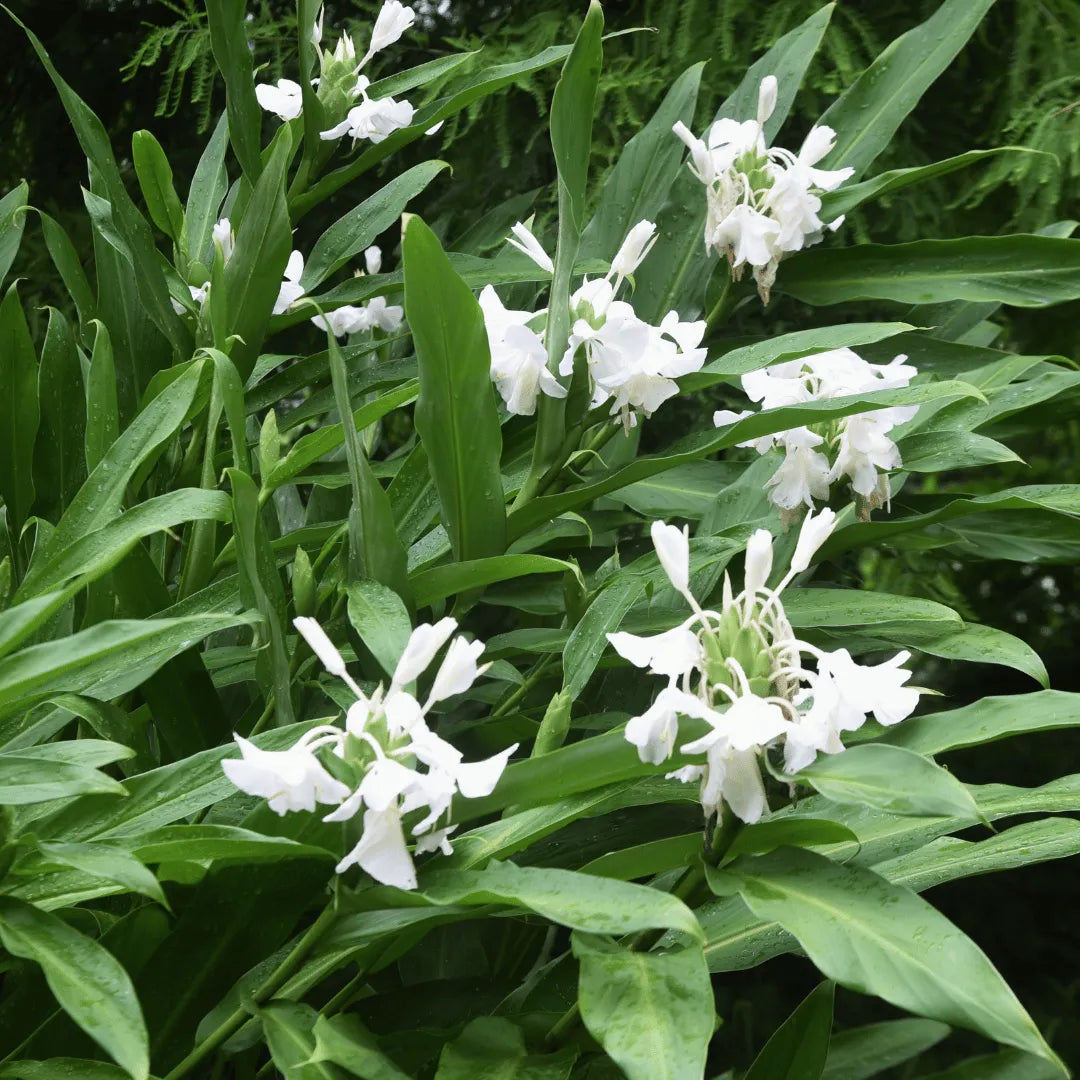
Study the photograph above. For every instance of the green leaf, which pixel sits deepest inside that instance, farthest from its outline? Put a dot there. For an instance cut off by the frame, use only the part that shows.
(261, 588)
(375, 550)
(101, 497)
(208, 188)
(808, 608)
(455, 413)
(454, 578)
(1006, 1065)
(379, 616)
(103, 661)
(890, 778)
(572, 108)
(59, 462)
(343, 1040)
(12, 223)
(764, 836)
(97, 552)
(228, 39)
(987, 720)
(845, 198)
(254, 273)
(948, 858)
(62, 1069)
(579, 901)
(202, 843)
(879, 938)
(1026, 271)
(862, 1053)
(102, 410)
(588, 640)
(88, 982)
(867, 115)
(99, 860)
(68, 264)
(18, 409)
(26, 779)
(131, 225)
(797, 1050)
(652, 1012)
(636, 189)
(288, 1028)
(492, 1048)
(155, 178)
(938, 451)
(360, 227)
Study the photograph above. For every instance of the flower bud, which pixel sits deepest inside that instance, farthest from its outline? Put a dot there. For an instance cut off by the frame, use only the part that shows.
(321, 645)
(759, 556)
(634, 248)
(673, 548)
(373, 259)
(393, 20)
(814, 532)
(528, 243)
(766, 98)
(424, 642)
(458, 670)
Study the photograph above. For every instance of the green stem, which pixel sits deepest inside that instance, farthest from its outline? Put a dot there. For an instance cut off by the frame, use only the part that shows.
(722, 308)
(530, 681)
(276, 978)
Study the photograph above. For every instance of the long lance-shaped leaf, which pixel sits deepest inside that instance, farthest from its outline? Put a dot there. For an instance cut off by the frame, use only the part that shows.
(254, 272)
(12, 223)
(89, 983)
(694, 447)
(94, 141)
(228, 39)
(455, 414)
(375, 549)
(101, 497)
(19, 412)
(358, 229)
(866, 116)
(1026, 271)
(882, 939)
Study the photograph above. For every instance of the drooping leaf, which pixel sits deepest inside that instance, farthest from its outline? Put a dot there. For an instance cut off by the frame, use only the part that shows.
(798, 1049)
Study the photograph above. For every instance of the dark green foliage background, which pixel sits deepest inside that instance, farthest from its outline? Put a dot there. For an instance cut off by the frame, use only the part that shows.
(1017, 82)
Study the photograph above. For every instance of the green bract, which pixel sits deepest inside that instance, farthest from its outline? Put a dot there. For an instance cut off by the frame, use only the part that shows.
(259, 471)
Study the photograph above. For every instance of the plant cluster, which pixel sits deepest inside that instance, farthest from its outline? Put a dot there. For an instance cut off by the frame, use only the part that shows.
(351, 720)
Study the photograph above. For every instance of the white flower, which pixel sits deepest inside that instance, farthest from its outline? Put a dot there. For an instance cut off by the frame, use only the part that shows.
(285, 99)
(321, 645)
(381, 851)
(518, 357)
(373, 119)
(802, 477)
(393, 20)
(222, 233)
(749, 234)
(878, 689)
(865, 448)
(814, 532)
(290, 779)
(373, 259)
(674, 653)
(673, 549)
(528, 243)
(438, 840)
(345, 50)
(458, 670)
(343, 321)
(655, 730)
(767, 92)
(291, 290)
(198, 293)
(759, 556)
(424, 642)
(635, 247)
(385, 316)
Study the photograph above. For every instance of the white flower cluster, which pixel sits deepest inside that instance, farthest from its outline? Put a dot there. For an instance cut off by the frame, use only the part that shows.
(341, 81)
(761, 202)
(856, 446)
(740, 670)
(631, 364)
(375, 314)
(385, 740)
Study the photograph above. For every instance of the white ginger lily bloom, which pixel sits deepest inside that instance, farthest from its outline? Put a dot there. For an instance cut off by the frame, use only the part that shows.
(290, 779)
(673, 550)
(382, 851)
(654, 732)
(374, 119)
(291, 290)
(524, 240)
(393, 20)
(673, 653)
(424, 642)
(878, 689)
(518, 356)
(458, 670)
(199, 293)
(814, 532)
(343, 321)
(385, 316)
(635, 247)
(284, 99)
